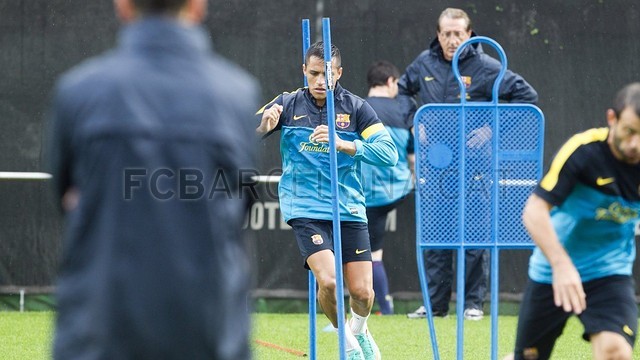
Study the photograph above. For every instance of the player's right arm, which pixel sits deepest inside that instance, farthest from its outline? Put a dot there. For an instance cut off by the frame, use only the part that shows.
(567, 284)
(270, 116)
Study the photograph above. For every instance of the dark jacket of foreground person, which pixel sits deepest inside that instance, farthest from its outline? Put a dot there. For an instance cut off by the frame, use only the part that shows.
(152, 136)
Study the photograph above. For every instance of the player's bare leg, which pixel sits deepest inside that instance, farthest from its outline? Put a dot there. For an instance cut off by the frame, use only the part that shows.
(322, 265)
(608, 345)
(359, 278)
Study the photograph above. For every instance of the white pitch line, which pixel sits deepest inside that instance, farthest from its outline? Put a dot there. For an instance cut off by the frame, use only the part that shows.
(266, 178)
(12, 175)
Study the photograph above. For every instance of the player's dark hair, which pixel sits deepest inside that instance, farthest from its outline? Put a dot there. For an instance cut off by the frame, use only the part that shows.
(380, 71)
(317, 50)
(159, 6)
(629, 96)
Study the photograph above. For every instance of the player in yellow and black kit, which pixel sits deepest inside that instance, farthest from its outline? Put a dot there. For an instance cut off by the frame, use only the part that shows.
(582, 217)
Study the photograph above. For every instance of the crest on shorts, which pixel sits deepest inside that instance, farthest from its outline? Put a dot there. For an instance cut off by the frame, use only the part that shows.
(342, 121)
(317, 239)
(530, 353)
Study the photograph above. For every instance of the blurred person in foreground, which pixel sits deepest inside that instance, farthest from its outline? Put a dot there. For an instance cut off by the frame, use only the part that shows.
(153, 263)
(582, 217)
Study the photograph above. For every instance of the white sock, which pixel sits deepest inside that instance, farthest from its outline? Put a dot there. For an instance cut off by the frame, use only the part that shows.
(352, 342)
(358, 323)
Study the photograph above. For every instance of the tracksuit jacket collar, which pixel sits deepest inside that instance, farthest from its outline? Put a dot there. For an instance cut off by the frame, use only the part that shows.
(164, 33)
(337, 93)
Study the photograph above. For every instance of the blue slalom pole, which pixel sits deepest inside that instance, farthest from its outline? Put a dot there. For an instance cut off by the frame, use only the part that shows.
(425, 291)
(461, 252)
(495, 261)
(333, 158)
(460, 300)
(495, 203)
(306, 42)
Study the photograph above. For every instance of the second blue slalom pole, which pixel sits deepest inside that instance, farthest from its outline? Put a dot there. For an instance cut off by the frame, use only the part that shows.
(333, 157)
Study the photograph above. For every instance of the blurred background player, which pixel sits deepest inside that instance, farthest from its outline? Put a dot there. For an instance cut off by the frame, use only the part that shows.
(582, 217)
(386, 187)
(305, 187)
(153, 269)
(430, 78)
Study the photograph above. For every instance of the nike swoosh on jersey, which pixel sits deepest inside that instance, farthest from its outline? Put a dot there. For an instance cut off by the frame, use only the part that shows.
(600, 181)
(428, 78)
(298, 117)
(358, 251)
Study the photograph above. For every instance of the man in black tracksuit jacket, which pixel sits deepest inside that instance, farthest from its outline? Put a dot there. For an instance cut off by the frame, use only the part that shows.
(153, 265)
(430, 77)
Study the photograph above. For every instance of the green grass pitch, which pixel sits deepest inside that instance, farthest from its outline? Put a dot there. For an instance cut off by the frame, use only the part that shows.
(28, 336)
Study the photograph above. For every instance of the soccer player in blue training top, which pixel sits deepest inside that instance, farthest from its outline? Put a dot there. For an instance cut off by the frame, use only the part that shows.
(305, 192)
(386, 187)
(582, 217)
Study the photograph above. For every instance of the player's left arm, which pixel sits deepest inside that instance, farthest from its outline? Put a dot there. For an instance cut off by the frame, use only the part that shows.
(375, 146)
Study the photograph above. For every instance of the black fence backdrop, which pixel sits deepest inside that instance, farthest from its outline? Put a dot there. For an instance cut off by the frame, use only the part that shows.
(577, 54)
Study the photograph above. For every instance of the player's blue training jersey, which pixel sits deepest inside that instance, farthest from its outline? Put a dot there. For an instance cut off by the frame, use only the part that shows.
(384, 185)
(596, 204)
(305, 186)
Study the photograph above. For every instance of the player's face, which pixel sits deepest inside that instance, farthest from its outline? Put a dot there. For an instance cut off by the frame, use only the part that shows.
(314, 71)
(624, 138)
(453, 32)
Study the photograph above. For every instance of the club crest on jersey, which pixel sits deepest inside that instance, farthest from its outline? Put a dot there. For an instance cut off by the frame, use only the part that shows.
(317, 239)
(466, 80)
(342, 121)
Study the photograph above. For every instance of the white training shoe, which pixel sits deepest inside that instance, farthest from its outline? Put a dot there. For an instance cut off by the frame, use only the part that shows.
(473, 314)
(421, 313)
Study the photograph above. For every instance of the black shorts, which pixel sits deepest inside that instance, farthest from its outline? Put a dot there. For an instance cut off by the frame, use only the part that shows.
(377, 218)
(315, 235)
(611, 307)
